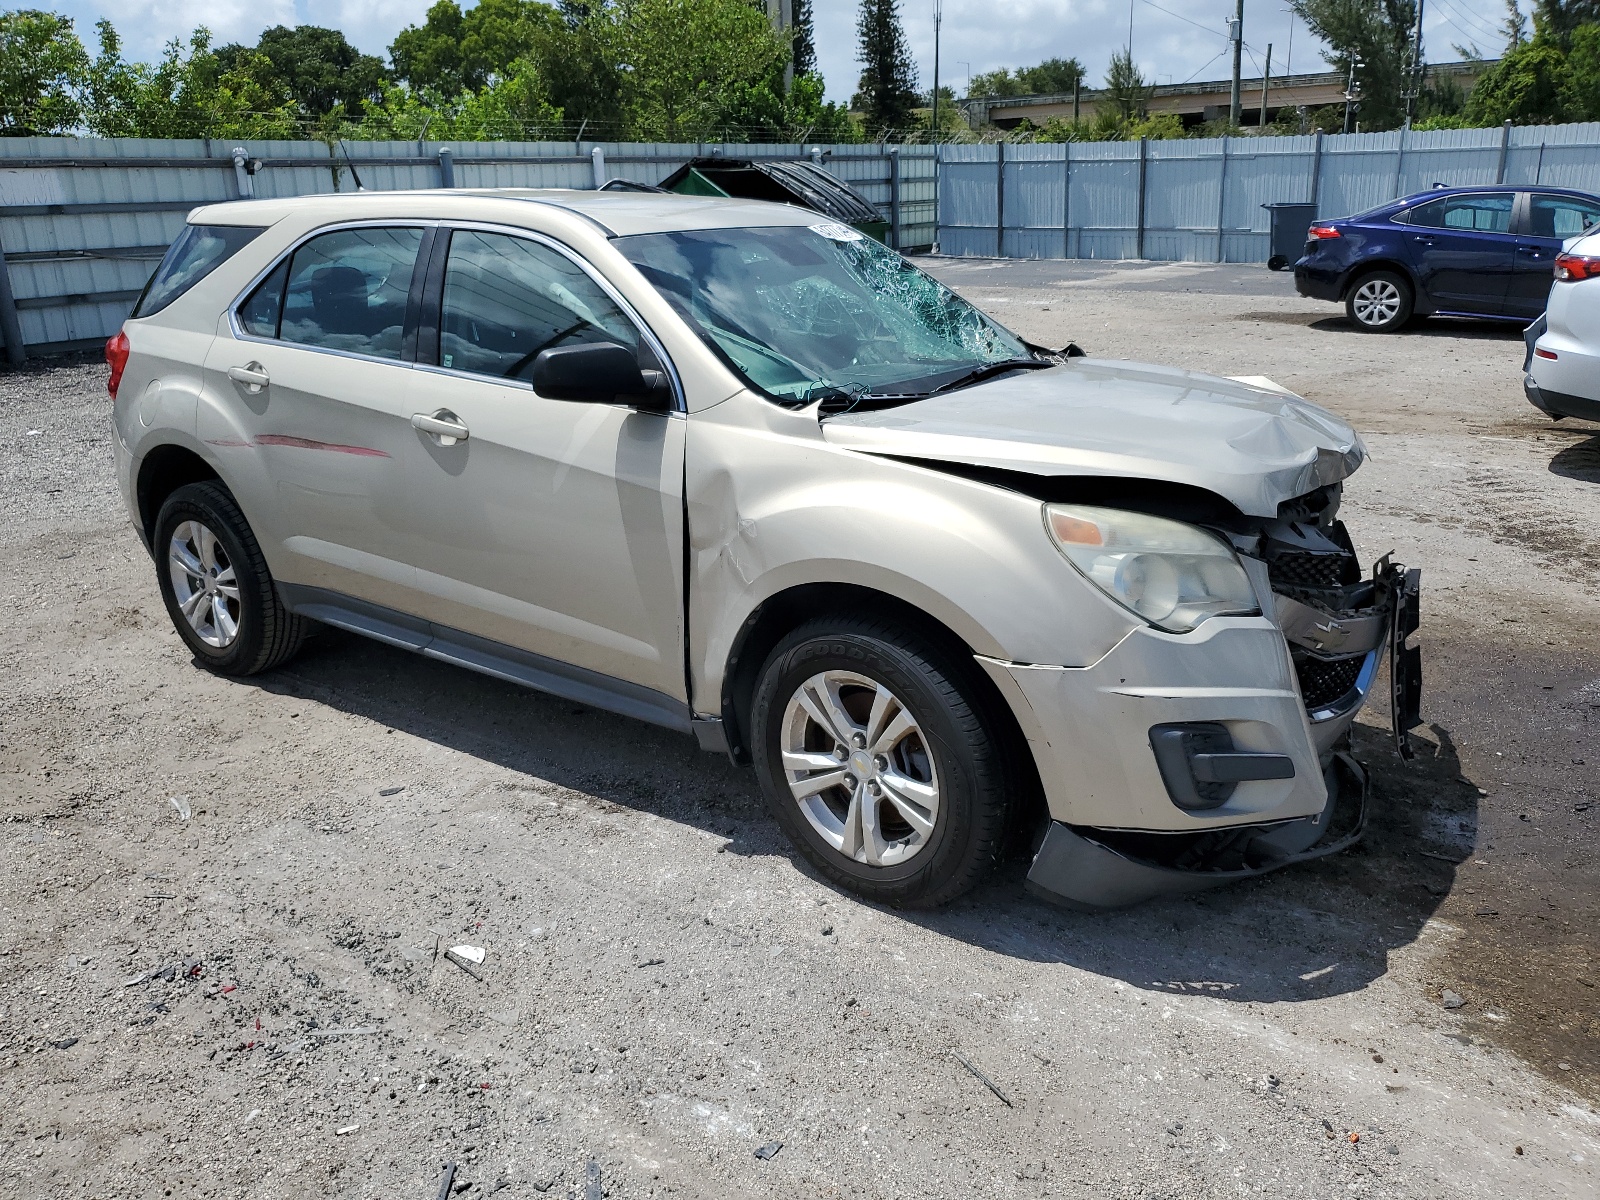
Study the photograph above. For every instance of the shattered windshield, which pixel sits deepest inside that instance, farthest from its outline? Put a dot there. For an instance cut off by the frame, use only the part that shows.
(822, 312)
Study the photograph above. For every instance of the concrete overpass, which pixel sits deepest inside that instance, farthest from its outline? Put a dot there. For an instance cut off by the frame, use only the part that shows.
(1196, 103)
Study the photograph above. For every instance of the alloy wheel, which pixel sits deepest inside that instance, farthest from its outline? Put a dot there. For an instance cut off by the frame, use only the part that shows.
(860, 769)
(1376, 302)
(204, 584)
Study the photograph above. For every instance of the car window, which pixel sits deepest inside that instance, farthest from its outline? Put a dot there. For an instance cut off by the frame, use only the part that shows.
(507, 298)
(1467, 214)
(1560, 216)
(344, 290)
(198, 251)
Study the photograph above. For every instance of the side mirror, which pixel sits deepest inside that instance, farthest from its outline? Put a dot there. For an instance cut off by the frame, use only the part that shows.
(600, 373)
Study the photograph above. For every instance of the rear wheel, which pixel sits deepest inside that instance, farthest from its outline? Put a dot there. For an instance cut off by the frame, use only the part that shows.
(876, 761)
(216, 586)
(1379, 302)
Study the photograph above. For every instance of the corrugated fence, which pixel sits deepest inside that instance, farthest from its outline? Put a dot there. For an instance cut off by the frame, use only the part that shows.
(83, 222)
(1200, 200)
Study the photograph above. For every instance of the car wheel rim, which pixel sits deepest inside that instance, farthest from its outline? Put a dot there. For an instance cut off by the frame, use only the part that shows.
(859, 767)
(204, 584)
(1377, 301)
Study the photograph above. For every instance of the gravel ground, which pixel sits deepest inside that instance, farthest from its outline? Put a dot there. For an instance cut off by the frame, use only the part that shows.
(253, 1001)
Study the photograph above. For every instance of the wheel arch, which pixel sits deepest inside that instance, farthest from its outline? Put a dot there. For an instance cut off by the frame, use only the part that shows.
(785, 611)
(1419, 296)
(163, 470)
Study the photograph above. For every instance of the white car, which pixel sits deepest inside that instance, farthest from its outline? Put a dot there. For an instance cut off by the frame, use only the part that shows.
(1563, 371)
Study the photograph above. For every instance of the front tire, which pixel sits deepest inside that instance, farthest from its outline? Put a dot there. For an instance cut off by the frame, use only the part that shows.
(877, 761)
(1380, 302)
(216, 586)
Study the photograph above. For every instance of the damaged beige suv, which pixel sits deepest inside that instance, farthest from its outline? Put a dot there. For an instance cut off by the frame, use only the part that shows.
(740, 472)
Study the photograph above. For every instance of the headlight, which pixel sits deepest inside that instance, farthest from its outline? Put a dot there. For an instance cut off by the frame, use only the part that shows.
(1171, 574)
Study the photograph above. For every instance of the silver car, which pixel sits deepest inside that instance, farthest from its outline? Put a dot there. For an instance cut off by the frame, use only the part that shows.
(741, 472)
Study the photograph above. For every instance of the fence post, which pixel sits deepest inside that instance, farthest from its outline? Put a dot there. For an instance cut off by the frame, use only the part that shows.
(1505, 146)
(1316, 175)
(597, 157)
(241, 173)
(1222, 192)
(1000, 200)
(1144, 159)
(1066, 200)
(10, 326)
(1400, 162)
(447, 169)
(893, 153)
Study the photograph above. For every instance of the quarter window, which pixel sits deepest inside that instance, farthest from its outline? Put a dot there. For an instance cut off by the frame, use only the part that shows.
(198, 251)
(1465, 214)
(507, 298)
(1560, 216)
(344, 290)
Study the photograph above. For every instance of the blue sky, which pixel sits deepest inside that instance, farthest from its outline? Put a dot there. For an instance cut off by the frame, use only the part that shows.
(1173, 40)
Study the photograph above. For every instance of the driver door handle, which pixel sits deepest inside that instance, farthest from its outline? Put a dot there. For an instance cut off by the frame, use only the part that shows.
(444, 425)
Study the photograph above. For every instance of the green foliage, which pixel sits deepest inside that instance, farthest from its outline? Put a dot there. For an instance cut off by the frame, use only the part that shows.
(805, 49)
(886, 94)
(1053, 76)
(1525, 86)
(1127, 91)
(316, 67)
(1580, 89)
(42, 67)
(453, 52)
(1378, 33)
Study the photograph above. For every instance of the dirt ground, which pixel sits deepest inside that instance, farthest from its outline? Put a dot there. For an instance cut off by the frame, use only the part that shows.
(251, 1001)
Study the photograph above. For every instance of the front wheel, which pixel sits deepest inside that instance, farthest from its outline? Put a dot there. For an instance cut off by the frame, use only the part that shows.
(1379, 302)
(876, 760)
(216, 586)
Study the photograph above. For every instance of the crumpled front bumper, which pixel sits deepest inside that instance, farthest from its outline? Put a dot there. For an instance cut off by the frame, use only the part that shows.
(1121, 831)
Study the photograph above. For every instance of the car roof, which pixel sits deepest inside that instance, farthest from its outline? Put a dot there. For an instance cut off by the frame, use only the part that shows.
(617, 213)
(1435, 193)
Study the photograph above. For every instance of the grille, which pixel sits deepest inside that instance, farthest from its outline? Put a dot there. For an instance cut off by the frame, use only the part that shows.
(1322, 681)
(1301, 568)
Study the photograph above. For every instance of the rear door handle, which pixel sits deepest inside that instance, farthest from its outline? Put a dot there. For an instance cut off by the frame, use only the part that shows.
(253, 375)
(444, 425)
(1423, 238)
(1536, 251)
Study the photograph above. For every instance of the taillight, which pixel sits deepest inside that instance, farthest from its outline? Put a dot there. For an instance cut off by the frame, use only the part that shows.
(117, 358)
(1320, 233)
(1541, 352)
(1570, 268)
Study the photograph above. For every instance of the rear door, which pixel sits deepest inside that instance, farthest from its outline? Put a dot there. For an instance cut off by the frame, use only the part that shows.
(1548, 219)
(315, 365)
(1463, 250)
(554, 527)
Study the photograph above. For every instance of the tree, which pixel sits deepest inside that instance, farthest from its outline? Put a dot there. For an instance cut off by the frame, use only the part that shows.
(1558, 20)
(1515, 25)
(1580, 90)
(887, 91)
(42, 67)
(1127, 91)
(1379, 34)
(316, 67)
(453, 52)
(1051, 77)
(805, 49)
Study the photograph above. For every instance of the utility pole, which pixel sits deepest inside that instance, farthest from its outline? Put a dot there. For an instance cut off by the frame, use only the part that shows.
(1077, 87)
(1266, 82)
(1351, 100)
(1414, 88)
(1236, 31)
(933, 120)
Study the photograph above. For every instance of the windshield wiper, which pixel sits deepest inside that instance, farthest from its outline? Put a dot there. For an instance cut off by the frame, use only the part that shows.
(988, 371)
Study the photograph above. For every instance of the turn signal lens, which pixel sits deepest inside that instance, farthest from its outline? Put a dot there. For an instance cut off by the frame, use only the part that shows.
(117, 358)
(1570, 268)
(1322, 232)
(1074, 530)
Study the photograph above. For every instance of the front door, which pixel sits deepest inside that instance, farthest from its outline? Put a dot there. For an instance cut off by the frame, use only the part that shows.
(1462, 249)
(553, 526)
(317, 396)
(1548, 221)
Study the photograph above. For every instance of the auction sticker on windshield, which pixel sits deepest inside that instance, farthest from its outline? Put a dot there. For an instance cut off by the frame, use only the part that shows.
(836, 232)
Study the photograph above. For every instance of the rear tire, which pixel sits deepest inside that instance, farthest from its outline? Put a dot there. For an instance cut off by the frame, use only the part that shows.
(877, 761)
(216, 586)
(1380, 302)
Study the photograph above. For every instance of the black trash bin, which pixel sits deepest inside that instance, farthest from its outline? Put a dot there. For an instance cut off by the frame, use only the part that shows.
(1289, 225)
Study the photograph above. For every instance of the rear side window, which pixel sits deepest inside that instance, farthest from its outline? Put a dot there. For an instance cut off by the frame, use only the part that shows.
(199, 250)
(1465, 214)
(345, 290)
(1560, 216)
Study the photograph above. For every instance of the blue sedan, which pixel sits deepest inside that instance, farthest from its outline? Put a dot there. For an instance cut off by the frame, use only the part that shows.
(1459, 252)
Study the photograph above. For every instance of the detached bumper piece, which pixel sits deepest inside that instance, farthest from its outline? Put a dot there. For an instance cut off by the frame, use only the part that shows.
(1094, 869)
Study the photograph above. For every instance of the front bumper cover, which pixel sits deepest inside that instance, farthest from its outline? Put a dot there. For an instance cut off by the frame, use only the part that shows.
(1092, 870)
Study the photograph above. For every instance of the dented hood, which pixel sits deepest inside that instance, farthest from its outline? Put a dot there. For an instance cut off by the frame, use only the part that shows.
(1251, 445)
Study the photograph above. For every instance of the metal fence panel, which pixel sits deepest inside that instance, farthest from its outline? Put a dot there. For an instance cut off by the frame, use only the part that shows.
(83, 220)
